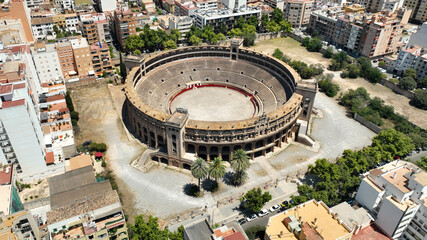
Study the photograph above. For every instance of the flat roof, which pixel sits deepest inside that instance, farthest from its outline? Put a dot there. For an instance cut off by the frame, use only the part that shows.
(326, 225)
(352, 216)
(80, 161)
(398, 179)
(5, 194)
(199, 230)
(6, 175)
(72, 179)
(421, 177)
(371, 232)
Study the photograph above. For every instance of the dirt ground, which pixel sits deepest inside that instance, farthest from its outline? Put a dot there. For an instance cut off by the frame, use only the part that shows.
(97, 114)
(293, 49)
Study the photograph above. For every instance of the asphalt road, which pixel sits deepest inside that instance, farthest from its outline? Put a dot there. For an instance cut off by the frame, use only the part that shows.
(260, 221)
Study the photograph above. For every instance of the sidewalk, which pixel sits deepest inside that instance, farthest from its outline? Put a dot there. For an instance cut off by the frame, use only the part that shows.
(230, 212)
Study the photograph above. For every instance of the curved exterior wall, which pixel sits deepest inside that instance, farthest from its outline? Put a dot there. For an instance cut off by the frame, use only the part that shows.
(178, 135)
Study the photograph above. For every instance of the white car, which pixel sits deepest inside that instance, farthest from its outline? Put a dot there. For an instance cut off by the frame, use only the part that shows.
(262, 213)
(251, 218)
(274, 208)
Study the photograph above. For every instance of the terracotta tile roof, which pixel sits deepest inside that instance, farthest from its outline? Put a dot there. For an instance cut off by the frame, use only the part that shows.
(235, 236)
(17, 11)
(371, 232)
(49, 157)
(4, 89)
(43, 20)
(15, 103)
(55, 98)
(19, 86)
(376, 172)
(6, 178)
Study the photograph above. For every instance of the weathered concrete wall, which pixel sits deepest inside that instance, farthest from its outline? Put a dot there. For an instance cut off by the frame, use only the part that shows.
(367, 123)
(397, 89)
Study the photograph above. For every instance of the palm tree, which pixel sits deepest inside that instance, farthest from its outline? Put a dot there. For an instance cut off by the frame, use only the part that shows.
(240, 162)
(199, 169)
(217, 168)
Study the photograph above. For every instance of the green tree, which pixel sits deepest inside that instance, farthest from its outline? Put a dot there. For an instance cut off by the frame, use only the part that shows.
(407, 83)
(285, 26)
(123, 71)
(422, 83)
(149, 230)
(235, 32)
(199, 169)
(264, 20)
(169, 44)
(374, 75)
(253, 20)
(305, 41)
(410, 72)
(240, 23)
(278, 53)
(353, 70)
(382, 64)
(277, 15)
(326, 85)
(255, 199)
(420, 99)
(137, 52)
(240, 163)
(217, 168)
(249, 35)
(194, 40)
(422, 163)
(392, 143)
(314, 45)
(272, 26)
(328, 53)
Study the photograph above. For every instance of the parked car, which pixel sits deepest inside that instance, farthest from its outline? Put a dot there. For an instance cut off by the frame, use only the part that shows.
(241, 221)
(284, 204)
(375, 61)
(262, 213)
(274, 208)
(251, 218)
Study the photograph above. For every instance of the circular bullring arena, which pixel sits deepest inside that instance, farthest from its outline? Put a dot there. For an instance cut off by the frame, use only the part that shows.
(209, 101)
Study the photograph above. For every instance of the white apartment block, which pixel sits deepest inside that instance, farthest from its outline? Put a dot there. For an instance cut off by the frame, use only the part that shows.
(34, 3)
(234, 4)
(417, 229)
(412, 57)
(21, 137)
(107, 5)
(65, 4)
(207, 4)
(393, 194)
(183, 24)
(72, 23)
(42, 28)
(275, 3)
(47, 62)
(226, 16)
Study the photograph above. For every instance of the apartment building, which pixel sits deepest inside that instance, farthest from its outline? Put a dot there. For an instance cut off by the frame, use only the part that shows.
(66, 59)
(18, 10)
(309, 220)
(82, 57)
(43, 28)
(106, 5)
(409, 58)
(185, 8)
(393, 194)
(101, 59)
(417, 228)
(64, 5)
(382, 33)
(82, 208)
(227, 17)
(46, 62)
(9, 198)
(280, 4)
(95, 28)
(234, 4)
(183, 24)
(298, 12)
(34, 3)
(384, 5)
(19, 225)
(21, 136)
(419, 10)
(124, 26)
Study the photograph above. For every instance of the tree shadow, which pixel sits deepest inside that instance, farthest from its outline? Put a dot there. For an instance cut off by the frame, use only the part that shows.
(191, 189)
(210, 185)
(228, 179)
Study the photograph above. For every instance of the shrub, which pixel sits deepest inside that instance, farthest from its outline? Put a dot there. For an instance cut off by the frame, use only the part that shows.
(195, 191)
(328, 53)
(278, 53)
(97, 147)
(326, 85)
(103, 164)
(420, 99)
(407, 83)
(256, 232)
(314, 45)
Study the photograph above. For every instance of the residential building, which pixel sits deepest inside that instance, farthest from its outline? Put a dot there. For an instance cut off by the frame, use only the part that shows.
(64, 5)
(12, 32)
(82, 208)
(382, 33)
(124, 26)
(200, 229)
(234, 4)
(43, 28)
(280, 4)
(46, 61)
(95, 28)
(309, 220)
(169, 6)
(354, 8)
(384, 5)
(101, 60)
(185, 8)
(66, 59)
(417, 228)
(72, 22)
(230, 231)
(393, 194)
(224, 17)
(183, 24)
(298, 12)
(207, 4)
(9, 198)
(82, 57)
(410, 57)
(21, 136)
(18, 10)
(19, 225)
(34, 3)
(419, 10)
(106, 5)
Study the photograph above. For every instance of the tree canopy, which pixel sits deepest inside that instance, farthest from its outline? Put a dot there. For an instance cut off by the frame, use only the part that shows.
(255, 199)
(149, 230)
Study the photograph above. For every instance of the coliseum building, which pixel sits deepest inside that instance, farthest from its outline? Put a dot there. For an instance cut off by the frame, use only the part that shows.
(208, 101)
